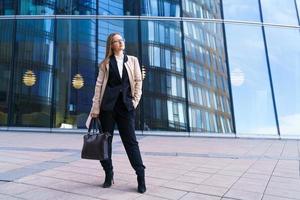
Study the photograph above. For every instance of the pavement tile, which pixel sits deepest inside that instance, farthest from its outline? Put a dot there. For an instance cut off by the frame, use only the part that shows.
(210, 190)
(271, 197)
(220, 181)
(113, 194)
(180, 185)
(256, 176)
(196, 196)
(242, 194)
(283, 192)
(41, 194)
(190, 179)
(7, 197)
(149, 197)
(167, 193)
(12, 188)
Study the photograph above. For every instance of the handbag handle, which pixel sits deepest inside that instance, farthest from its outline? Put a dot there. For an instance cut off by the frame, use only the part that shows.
(96, 125)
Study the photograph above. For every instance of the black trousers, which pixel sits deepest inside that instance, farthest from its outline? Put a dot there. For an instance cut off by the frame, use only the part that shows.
(126, 124)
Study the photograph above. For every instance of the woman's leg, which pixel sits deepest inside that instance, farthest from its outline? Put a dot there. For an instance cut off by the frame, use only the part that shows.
(126, 126)
(108, 123)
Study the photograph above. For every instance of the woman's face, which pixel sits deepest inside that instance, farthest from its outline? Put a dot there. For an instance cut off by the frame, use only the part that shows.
(118, 43)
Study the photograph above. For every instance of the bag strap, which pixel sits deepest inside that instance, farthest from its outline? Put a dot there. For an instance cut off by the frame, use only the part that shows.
(96, 125)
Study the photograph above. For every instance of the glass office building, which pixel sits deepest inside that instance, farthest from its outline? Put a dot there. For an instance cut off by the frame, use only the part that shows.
(212, 67)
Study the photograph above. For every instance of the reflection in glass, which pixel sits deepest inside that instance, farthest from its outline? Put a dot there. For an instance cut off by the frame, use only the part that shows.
(164, 88)
(284, 54)
(34, 7)
(66, 7)
(209, 107)
(7, 7)
(278, 11)
(241, 10)
(118, 7)
(201, 9)
(75, 54)
(34, 50)
(168, 8)
(252, 98)
(6, 55)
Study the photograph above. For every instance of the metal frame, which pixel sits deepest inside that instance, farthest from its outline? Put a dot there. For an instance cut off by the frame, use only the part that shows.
(228, 71)
(147, 18)
(297, 12)
(269, 68)
(185, 73)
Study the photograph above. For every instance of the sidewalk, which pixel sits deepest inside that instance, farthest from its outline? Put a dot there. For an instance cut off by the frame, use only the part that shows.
(48, 166)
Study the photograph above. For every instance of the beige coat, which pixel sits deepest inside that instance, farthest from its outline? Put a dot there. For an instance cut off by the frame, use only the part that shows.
(135, 79)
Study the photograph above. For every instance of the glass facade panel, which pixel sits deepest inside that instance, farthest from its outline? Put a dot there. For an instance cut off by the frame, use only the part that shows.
(33, 73)
(6, 55)
(252, 97)
(119, 7)
(7, 7)
(201, 9)
(75, 71)
(36, 7)
(278, 11)
(297, 2)
(75, 7)
(169, 8)
(162, 57)
(284, 54)
(246, 10)
(206, 77)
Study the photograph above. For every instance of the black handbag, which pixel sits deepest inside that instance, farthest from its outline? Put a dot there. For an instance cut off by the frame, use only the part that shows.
(95, 142)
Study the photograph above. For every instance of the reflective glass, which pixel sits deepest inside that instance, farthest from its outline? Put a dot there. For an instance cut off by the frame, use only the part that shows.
(207, 78)
(246, 10)
(252, 98)
(169, 8)
(7, 7)
(278, 11)
(297, 2)
(33, 73)
(75, 71)
(36, 7)
(201, 9)
(118, 7)
(164, 83)
(75, 7)
(284, 53)
(6, 56)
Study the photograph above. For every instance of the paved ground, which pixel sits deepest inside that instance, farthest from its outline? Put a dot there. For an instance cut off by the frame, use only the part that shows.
(48, 166)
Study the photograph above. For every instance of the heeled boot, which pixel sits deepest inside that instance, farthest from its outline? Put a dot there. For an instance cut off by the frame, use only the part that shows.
(141, 184)
(109, 179)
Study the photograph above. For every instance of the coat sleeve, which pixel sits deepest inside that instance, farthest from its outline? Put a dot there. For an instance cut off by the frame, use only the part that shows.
(98, 87)
(137, 83)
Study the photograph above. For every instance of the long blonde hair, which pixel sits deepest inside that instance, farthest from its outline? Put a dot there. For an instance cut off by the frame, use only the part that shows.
(109, 50)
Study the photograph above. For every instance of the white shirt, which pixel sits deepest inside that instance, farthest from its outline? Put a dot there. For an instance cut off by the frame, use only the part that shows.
(120, 60)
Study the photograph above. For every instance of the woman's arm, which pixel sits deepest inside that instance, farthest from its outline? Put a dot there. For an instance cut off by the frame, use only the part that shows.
(96, 99)
(138, 83)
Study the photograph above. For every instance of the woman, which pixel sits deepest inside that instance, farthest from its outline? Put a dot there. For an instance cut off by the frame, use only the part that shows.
(117, 93)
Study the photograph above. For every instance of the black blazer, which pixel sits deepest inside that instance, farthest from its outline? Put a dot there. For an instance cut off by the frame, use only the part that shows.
(116, 87)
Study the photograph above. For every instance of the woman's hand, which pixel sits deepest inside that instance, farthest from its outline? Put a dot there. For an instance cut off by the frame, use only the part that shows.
(94, 115)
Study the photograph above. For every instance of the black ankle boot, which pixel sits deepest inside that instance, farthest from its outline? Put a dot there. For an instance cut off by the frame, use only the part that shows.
(109, 178)
(141, 184)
